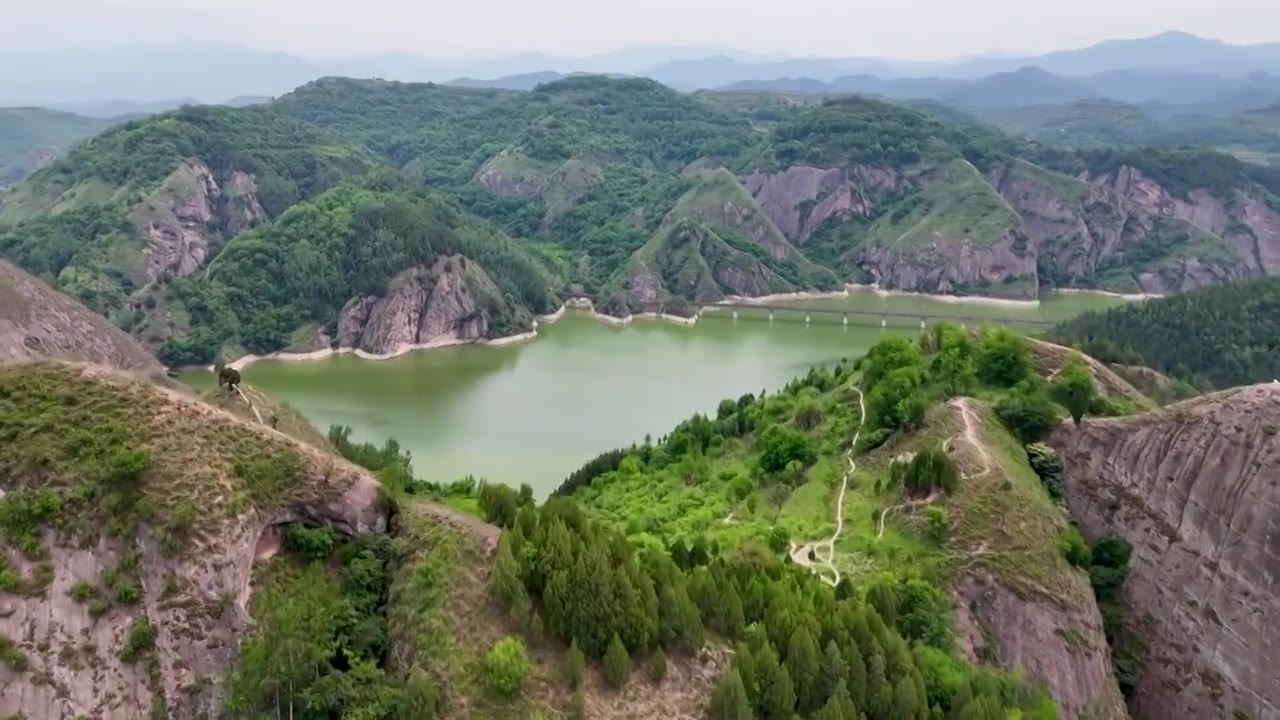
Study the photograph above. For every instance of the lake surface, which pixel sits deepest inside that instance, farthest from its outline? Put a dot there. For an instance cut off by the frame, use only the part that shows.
(535, 411)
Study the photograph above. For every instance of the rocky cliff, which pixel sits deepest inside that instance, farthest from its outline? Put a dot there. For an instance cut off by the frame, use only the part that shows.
(190, 211)
(88, 586)
(802, 198)
(37, 321)
(452, 300)
(1194, 488)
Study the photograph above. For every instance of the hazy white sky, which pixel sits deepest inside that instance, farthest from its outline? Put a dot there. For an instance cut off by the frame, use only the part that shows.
(918, 29)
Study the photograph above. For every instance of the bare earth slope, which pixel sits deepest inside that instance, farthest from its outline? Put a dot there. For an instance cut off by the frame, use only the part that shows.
(37, 321)
(1194, 487)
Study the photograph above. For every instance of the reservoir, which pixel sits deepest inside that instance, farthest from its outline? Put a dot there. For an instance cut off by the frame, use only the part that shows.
(533, 412)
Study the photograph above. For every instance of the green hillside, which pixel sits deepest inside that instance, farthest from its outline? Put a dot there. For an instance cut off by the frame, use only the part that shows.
(1219, 336)
(30, 137)
(624, 190)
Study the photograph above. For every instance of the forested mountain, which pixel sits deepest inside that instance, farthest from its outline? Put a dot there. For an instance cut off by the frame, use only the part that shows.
(1219, 336)
(31, 138)
(621, 189)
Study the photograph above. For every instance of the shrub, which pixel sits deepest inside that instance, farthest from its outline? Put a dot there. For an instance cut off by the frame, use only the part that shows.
(617, 663)
(499, 504)
(1048, 466)
(140, 640)
(1003, 358)
(781, 445)
(506, 664)
(935, 521)
(1074, 548)
(1027, 410)
(83, 591)
(894, 402)
(887, 356)
(931, 468)
(779, 540)
(312, 543)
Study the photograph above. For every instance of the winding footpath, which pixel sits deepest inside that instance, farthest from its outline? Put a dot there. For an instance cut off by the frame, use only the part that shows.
(970, 435)
(824, 551)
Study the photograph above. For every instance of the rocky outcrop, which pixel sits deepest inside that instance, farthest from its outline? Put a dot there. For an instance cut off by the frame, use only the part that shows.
(801, 198)
(956, 266)
(179, 218)
(688, 263)
(1240, 218)
(195, 600)
(1060, 642)
(422, 305)
(511, 174)
(37, 321)
(1194, 488)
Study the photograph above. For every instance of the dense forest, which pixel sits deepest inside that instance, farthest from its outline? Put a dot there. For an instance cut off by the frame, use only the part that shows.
(1215, 337)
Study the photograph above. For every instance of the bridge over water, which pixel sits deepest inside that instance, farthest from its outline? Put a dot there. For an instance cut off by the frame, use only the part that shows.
(884, 316)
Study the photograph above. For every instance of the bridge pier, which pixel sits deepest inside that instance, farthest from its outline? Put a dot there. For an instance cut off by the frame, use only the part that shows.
(884, 322)
(770, 316)
(922, 324)
(735, 314)
(806, 318)
(963, 325)
(846, 319)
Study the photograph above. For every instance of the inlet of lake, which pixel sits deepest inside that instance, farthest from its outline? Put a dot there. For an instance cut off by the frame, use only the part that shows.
(533, 412)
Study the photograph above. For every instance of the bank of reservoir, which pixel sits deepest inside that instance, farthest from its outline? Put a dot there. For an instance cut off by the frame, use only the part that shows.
(534, 411)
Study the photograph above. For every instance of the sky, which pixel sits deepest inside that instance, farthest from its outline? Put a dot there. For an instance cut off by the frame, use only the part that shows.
(899, 29)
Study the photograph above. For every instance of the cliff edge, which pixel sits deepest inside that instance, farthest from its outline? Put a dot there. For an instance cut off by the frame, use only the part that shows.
(1195, 488)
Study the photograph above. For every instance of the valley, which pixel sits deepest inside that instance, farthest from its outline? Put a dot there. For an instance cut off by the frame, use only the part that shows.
(533, 412)
(565, 395)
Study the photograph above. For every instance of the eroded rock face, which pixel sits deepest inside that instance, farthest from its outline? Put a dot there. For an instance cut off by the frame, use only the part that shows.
(1060, 642)
(1196, 489)
(190, 204)
(37, 321)
(1246, 223)
(957, 266)
(196, 603)
(801, 198)
(421, 306)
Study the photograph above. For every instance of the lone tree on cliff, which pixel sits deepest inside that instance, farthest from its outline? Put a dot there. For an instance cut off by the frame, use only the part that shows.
(1073, 388)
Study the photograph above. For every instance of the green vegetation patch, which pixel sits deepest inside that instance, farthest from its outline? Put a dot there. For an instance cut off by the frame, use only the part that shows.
(88, 451)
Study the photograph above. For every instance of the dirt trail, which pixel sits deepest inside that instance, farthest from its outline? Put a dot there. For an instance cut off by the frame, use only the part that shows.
(970, 435)
(824, 551)
(249, 402)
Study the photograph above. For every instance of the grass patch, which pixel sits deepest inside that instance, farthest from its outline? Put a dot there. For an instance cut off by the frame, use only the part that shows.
(11, 655)
(87, 450)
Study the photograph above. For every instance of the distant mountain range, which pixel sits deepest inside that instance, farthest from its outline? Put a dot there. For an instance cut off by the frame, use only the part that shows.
(213, 72)
(1034, 86)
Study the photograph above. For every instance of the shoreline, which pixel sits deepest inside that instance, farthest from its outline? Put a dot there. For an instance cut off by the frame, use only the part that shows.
(1134, 297)
(586, 305)
(950, 299)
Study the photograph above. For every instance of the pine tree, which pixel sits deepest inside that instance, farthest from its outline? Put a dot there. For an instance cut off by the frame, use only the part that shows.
(907, 705)
(729, 701)
(617, 663)
(732, 621)
(879, 692)
(779, 695)
(745, 663)
(506, 583)
(574, 664)
(537, 632)
(857, 677)
(691, 634)
(834, 672)
(658, 665)
(838, 706)
(804, 664)
(578, 706)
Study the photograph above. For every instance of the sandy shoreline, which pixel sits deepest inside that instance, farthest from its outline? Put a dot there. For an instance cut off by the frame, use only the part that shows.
(589, 309)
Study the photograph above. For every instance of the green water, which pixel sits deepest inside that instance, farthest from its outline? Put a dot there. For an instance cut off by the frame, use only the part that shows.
(535, 411)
